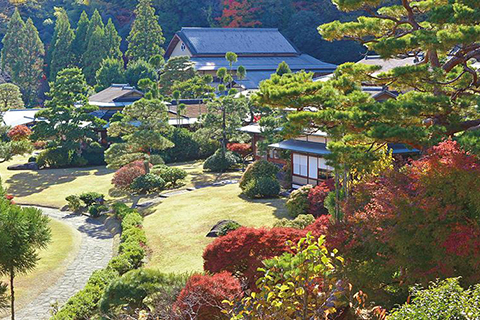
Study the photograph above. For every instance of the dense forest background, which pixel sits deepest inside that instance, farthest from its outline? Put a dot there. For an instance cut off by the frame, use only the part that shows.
(297, 20)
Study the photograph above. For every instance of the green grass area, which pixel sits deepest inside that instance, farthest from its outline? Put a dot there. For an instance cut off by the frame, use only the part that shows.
(49, 187)
(52, 264)
(177, 228)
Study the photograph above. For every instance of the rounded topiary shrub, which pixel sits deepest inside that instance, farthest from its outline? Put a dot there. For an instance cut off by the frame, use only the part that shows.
(218, 163)
(298, 203)
(260, 180)
(54, 158)
(148, 183)
(262, 187)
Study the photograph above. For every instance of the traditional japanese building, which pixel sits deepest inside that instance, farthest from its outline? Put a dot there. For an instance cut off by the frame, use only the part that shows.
(259, 50)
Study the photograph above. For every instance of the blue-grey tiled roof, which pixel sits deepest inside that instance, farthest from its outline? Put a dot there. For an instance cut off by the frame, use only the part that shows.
(296, 63)
(320, 149)
(239, 40)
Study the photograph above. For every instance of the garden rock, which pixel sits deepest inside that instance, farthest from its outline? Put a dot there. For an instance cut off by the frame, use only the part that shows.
(25, 166)
(214, 232)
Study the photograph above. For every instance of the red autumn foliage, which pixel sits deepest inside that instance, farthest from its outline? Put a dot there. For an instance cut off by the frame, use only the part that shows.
(38, 145)
(240, 13)
(20, 132)
(243, 149)
(317, 196)
(124, 176)
(203, 295)
(243, 250)
(416, 224)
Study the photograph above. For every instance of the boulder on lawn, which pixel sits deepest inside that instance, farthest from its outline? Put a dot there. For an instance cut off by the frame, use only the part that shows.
(214, 232)
(25, 166)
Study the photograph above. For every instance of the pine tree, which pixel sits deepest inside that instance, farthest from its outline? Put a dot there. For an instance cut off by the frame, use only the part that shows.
(283, 68)
(112, 41)
(97, 51)
(95, 21)
(146, 37)
(61, 50)
(111, 71)
(79, 43)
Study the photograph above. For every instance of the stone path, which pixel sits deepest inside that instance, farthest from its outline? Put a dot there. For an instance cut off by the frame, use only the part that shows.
(96, 249)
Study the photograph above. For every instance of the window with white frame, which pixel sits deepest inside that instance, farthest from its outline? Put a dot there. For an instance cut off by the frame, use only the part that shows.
(313, 167)
(300, 165)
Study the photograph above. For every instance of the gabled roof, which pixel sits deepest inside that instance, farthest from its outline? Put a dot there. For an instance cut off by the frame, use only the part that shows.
(242, 41)
(388, 64)
(116, 95)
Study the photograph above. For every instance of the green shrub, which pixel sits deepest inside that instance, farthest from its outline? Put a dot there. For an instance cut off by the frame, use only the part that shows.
(260, 168)
(170, 175)
(230, 226)
(134, 234)
(300, 222)
(444, 299)
(297, 203)
(96, 210)
(207, 146)
(185, 149)
(120, 210)
(134, 286)
(90, 198)
(262, 187)
(78, 161)
(73, 202)
(84, 304)
(148, 183)
(133, 219)
(54, 158)
(94, 154)
(218, 163)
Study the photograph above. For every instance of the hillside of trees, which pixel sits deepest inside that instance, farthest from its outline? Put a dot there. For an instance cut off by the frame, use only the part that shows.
(297, 20)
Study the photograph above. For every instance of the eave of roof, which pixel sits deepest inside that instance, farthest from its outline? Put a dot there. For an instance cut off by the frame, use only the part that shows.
(317, 148)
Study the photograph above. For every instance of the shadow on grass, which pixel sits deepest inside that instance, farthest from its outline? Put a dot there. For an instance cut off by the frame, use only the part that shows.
(27, 183)
(277, 203)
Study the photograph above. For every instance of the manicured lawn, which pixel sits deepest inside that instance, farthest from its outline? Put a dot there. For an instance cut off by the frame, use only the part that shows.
(52, 264)
(49, 187)
(177, 228)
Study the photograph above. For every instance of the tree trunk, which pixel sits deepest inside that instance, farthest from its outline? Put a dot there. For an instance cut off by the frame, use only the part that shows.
(12, 295)
(224, 133)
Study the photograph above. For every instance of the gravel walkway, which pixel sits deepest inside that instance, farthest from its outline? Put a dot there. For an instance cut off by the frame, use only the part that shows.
(94, 253)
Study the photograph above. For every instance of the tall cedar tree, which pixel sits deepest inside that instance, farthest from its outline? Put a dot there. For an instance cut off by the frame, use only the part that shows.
(61, 50)
(23, 231)
(67, 125)
(439, 94)
(97, 51)
(113, 41)
(22, 56)
(79, 43)
(146, 37)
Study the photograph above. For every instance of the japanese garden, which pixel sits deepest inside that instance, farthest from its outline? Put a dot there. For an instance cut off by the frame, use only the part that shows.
(240, 159)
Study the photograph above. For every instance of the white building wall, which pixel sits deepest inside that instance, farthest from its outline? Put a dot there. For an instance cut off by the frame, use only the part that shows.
(180, 50)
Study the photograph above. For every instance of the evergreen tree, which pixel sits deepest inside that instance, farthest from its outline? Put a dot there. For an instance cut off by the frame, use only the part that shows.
(95, 21)
(283, 68)
(176, 69)
(138, 70)
(97, 51)
(61, 50)
(112, 41)
(79, 43)
(12, 43)
(23, 232)
(22, 56)
(111, 71)
(67, 125)
(10, 97)
(146, 37)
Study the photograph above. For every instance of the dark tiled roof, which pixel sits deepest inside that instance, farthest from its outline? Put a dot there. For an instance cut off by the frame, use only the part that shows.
(115, 93)
(242, 41)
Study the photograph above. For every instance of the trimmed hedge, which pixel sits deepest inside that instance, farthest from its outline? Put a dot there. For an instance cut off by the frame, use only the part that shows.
(218, 163)
(85, 303)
